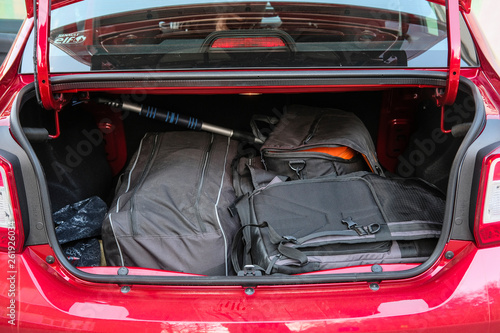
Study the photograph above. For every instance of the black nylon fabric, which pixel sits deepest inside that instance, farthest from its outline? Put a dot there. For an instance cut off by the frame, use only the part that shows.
(304, 127)
(300, 208)
(406, 198)
(308, 165)
(171, 210)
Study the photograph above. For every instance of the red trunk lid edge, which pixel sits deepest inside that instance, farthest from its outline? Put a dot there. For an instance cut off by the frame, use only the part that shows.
(47, 99)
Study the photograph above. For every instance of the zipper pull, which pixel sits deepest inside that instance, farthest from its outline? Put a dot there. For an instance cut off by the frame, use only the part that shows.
(309, 137)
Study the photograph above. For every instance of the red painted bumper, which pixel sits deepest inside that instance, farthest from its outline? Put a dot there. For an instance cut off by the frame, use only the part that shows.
(457, 295)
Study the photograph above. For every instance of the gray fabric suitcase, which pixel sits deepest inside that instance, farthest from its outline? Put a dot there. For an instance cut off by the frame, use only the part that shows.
(170, 211)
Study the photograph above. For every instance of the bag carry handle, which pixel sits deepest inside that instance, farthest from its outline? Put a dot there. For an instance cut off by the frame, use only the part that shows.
(275, 239)
(263, 119)
(291, 252)
(234, 247)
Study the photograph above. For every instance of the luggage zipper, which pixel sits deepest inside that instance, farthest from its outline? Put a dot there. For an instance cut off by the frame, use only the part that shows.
(201, 181)
(313, 180)
(299, 153)
(313, 129)
(129, 175)
(145, 172)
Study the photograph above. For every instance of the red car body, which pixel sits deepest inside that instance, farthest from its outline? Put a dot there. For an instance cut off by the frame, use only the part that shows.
(460, 292)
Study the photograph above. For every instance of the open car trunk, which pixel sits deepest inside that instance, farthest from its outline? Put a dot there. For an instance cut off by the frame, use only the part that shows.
(95, 153)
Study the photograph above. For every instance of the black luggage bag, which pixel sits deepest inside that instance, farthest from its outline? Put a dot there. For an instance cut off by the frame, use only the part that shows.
(330, 222)
(310, 142)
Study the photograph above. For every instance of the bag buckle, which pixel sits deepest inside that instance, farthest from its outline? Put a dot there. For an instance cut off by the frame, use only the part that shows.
(290, 239)
(372, 228)
(351, 225)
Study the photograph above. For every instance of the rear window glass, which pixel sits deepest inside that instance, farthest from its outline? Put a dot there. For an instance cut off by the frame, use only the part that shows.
(122, 35)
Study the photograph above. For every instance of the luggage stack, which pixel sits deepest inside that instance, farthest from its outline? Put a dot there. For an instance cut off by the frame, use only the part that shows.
(313, 198)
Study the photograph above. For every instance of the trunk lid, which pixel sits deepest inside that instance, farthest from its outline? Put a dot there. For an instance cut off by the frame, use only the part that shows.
(52, 101)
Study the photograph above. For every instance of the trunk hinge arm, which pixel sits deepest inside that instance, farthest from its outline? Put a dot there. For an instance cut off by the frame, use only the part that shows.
(448, 96)
(45, 96)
